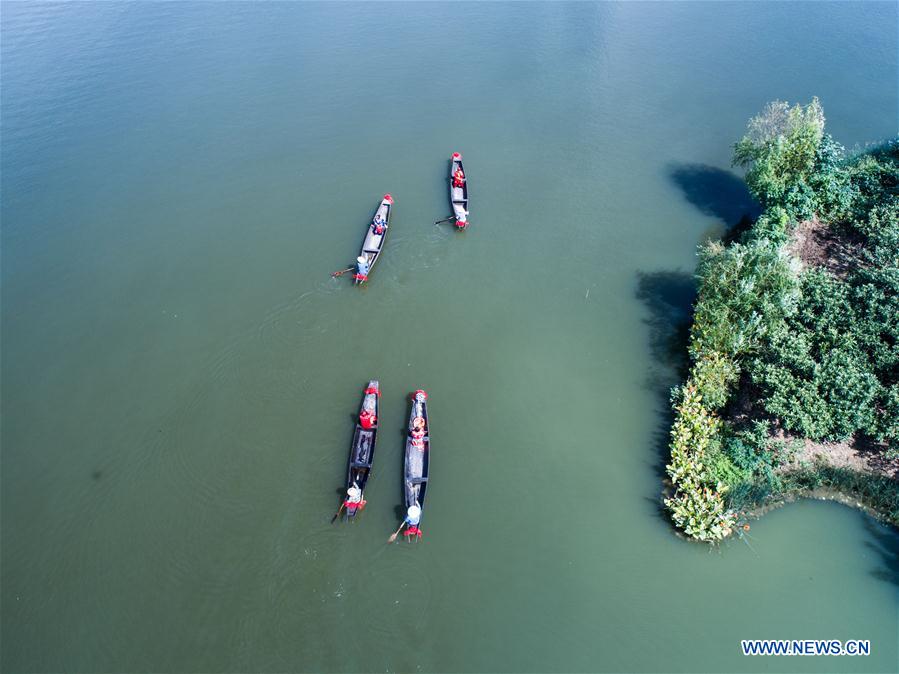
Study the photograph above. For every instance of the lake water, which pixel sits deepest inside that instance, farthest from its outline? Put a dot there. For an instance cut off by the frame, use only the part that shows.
(179, 370)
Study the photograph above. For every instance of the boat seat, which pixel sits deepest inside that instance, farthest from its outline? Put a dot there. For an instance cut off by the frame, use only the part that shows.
(360, 464)
(417, 480)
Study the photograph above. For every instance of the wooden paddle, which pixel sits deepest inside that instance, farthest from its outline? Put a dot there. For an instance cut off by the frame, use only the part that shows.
(343, 271)
(396, 533)
(445, 219)
(339, 510)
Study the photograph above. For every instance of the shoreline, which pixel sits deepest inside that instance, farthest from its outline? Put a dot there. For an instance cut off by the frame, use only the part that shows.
(802, 492)
(846, 497)
(792, 389)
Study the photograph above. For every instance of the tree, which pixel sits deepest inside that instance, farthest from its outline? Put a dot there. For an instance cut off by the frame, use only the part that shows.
(780, 150)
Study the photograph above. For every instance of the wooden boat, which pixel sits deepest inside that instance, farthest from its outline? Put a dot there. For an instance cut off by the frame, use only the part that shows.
(362, 451)
(459, 195)
(374, 239)
(415, 466)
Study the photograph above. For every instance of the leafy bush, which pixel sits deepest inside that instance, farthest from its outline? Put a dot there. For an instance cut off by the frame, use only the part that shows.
(835, 193)
(715, 376)
(780, 150)
(825, 371)
(888, 422)
(697, 505)
(824, 350)
(745, 291)
(875, 178)
(773, 224)
(876, 491)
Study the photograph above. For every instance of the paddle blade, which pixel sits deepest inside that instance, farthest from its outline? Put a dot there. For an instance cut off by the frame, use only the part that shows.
(395, 534)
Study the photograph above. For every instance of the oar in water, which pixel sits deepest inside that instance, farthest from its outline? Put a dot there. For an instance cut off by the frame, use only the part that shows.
(445, 219)
(343, 271)
(339, 510)
(396, 533)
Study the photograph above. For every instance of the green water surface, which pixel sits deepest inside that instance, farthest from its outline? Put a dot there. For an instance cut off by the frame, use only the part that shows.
(179, 370)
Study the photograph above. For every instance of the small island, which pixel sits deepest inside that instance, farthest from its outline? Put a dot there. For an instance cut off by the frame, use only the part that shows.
(793, 386)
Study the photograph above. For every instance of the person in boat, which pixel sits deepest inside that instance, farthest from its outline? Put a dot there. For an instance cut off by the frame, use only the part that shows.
(378, 225)
(362, 265)
(367, 417)
(418, 432)
(413, 515)
(354, 497)
(458, 177)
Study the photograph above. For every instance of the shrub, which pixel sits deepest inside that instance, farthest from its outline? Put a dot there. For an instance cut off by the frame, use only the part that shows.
(773, 225)
(824, 350)
(715, 376)
(697, 505)
(797, 402)
(824, 371)
(831, 182)
(745, 291)
(780, 150)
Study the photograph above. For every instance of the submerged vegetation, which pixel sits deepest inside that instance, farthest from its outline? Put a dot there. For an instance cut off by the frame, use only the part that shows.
(795, 337)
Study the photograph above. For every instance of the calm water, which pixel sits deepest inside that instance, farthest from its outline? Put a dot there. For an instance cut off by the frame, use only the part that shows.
(179, 370)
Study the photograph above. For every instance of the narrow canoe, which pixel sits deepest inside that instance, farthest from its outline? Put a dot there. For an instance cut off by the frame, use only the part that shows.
(459, 195)
(415, 466)
(362, 451)
(374, 239)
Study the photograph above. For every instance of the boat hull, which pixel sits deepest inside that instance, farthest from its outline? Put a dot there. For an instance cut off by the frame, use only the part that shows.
(416, 462)
(458, 195)
(373, 243)
(362, 449)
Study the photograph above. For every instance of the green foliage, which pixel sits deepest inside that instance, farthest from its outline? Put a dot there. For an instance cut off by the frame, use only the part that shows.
(826, 372)
(876, 491)
(824, 350)
(780, 150)
(773, 225)
(875, 178)
(745, 291)
(748, 456)
(888, 424)
(697, 505)
(828, 369)
(715, 375)
(830, 181)
(753, 447)
(727, 472)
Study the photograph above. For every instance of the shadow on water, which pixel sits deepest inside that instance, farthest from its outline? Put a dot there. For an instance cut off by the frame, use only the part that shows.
(669, 297)
(718, 193)
(886, 544)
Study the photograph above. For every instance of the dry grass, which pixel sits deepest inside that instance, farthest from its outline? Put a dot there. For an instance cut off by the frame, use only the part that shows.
(816, 244)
